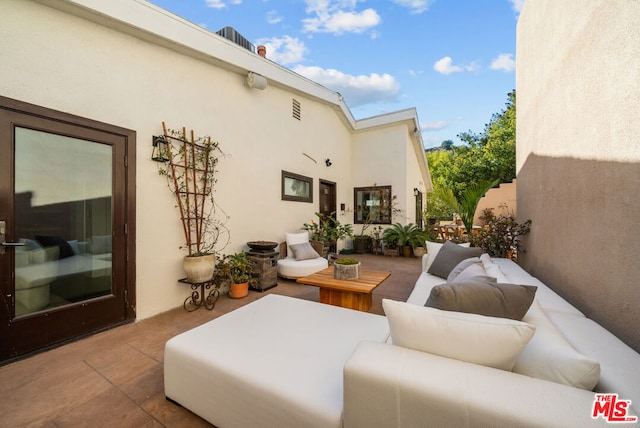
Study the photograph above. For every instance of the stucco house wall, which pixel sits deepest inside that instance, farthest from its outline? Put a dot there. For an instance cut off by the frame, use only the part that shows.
(134, 65)
(578, 155)
(386, 154)
(502, 200)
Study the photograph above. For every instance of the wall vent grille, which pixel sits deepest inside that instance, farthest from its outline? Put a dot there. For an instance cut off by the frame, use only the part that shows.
(296, 108)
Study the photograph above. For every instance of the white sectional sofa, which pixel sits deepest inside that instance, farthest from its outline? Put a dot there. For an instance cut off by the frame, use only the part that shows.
(308, 364)
(388, 385)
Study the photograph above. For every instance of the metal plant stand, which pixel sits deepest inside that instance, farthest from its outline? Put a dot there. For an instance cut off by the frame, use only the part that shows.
(197, 298)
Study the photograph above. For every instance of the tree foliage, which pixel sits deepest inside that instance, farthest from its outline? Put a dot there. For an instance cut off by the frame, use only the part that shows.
(490, 155)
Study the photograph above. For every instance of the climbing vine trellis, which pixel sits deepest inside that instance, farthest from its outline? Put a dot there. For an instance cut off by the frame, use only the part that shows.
(191, 175)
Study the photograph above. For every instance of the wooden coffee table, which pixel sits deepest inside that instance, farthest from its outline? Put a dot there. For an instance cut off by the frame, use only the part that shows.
(352, 294)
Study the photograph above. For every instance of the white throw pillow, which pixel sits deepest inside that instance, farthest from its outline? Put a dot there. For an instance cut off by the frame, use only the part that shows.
(433, 248)
(488, 341)
(549, 356)
(295, 238)
(473, 274)
(461, 267)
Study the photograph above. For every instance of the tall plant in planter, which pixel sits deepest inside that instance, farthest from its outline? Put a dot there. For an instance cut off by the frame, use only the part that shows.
(467, 202)
(190, 169)
(328, 230)
(403, 235)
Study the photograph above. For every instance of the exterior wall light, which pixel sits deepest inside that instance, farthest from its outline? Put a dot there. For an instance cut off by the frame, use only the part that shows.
(327, 162)
(256, 81)
(160, 146)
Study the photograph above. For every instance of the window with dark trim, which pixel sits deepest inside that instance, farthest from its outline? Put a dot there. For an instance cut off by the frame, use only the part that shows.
(296, 187)
(372, 205)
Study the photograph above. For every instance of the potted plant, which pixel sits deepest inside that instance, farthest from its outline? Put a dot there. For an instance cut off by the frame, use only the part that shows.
(328, 230)
(189, 165)
(346, 268)
(240, 270)
(402, 235)
(418, 240)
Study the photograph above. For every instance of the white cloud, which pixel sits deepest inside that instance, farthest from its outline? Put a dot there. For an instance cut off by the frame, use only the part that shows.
(338, 17)
(416, 6)
(356, 90)
(273, 17)
(220, 4)
(434, 126)
(504, 62)
(216, 4)
(445, 66)
(284, 50)
(517, 5)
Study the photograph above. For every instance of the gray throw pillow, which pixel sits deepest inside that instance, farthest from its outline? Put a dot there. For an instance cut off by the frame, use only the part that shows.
(304, 251)
(449, 256)
(494, 300)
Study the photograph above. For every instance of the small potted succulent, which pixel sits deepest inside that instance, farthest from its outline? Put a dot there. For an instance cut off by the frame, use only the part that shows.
(346, 268)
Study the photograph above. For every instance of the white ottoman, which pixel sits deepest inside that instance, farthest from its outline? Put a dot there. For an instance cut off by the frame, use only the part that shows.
(276, 362)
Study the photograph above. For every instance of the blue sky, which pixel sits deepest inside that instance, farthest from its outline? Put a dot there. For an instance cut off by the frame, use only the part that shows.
(453, 60)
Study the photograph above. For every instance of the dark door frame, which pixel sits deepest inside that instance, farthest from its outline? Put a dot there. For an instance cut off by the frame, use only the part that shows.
(17, 113)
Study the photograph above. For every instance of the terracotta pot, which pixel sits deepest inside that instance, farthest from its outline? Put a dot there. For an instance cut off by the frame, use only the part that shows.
(238, 291)
(199, 268)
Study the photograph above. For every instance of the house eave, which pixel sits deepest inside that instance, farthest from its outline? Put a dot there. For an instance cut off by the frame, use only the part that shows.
(146, 21)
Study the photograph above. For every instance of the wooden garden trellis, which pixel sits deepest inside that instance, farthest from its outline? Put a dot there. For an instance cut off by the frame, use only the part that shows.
(190, 169)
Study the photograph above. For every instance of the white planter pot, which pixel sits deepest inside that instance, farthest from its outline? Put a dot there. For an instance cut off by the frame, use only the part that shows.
(199, 268)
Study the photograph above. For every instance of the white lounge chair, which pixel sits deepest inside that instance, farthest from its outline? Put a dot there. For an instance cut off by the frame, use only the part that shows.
(300, 257)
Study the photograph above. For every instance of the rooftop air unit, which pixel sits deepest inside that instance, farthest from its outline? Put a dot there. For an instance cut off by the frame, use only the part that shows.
(230, 33)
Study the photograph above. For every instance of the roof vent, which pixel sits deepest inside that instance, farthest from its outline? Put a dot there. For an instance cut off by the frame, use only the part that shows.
(230, 33)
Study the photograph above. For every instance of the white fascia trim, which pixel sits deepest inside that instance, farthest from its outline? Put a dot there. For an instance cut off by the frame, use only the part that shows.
(409, 114)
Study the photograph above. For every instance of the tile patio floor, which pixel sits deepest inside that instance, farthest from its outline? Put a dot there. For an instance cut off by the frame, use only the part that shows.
(115, 378)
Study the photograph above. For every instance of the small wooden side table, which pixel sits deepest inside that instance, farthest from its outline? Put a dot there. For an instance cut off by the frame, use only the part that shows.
(197, 298)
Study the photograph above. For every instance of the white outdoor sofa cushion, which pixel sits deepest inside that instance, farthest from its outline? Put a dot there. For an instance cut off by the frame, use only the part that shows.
(276, 362)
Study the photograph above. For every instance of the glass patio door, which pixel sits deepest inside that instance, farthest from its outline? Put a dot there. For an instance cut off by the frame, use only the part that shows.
(63, 203)
(62, 251)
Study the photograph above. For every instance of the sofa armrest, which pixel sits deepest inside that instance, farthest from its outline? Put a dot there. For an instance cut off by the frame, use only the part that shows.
(425, 259)
(387, 385)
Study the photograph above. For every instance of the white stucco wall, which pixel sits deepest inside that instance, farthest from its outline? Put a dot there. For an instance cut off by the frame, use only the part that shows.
(386, 155)
(63, 62)
(578, 157)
